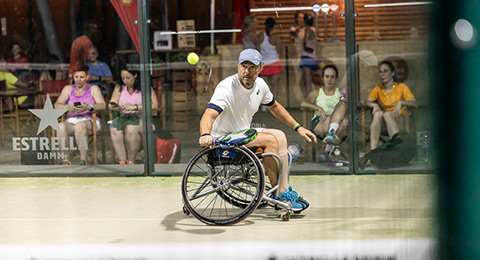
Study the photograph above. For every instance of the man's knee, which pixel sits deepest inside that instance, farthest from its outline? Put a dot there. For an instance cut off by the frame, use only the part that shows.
(281, 140)
(270, 141)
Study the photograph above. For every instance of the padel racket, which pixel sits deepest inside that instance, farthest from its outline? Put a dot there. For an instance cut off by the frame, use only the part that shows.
(238, 138)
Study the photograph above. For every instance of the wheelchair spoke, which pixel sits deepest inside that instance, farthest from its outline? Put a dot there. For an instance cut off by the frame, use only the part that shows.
(202, 186)
(198, 195)
(242, 190)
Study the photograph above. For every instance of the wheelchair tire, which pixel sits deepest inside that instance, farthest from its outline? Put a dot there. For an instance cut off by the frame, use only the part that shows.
(223, 186)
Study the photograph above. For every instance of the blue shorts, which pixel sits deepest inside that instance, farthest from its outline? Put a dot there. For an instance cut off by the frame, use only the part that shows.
(307, 61)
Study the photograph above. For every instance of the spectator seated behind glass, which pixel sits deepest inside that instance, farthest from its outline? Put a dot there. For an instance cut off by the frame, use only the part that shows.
(81, 99)
(18, 61)
(12, 83)
(388, 101)
(330, 111)
(100, 73)
(126, 130)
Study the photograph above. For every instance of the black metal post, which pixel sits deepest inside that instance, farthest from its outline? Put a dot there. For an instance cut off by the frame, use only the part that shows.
(351, 84)
(73, 20)
(145, 72)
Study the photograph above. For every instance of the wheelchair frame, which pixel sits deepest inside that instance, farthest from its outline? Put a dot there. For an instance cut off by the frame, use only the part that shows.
(235, 175)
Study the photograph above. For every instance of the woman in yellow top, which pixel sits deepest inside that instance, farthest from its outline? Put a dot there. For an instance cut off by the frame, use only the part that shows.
(388, 102)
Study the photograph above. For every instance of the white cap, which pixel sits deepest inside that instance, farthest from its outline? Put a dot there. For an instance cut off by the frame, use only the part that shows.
(251, 55)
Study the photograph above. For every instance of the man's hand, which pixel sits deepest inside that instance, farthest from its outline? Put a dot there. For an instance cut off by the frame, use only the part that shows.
(205, 140)
(306, 134)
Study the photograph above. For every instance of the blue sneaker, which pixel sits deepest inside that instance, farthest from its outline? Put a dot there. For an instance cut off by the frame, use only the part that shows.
(291, 200)
(331, 138)
(300, 198)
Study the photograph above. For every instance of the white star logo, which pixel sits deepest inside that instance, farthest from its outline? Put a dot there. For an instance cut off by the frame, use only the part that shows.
(48, 116)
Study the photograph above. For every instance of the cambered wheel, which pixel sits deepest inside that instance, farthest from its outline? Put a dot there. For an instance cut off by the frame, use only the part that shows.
(223, 186)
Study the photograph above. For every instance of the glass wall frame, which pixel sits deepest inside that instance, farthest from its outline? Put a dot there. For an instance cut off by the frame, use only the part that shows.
(162, 77)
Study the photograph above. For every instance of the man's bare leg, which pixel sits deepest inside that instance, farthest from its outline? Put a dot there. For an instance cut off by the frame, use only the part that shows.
(268, 142)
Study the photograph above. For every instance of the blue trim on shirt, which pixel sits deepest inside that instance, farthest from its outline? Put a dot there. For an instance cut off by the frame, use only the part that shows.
(215, 107)
(270, 103)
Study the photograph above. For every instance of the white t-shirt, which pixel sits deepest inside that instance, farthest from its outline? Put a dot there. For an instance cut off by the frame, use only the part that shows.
(237, 105)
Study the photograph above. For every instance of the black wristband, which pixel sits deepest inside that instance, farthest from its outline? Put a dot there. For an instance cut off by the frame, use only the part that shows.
(206, 134)
(298, 126)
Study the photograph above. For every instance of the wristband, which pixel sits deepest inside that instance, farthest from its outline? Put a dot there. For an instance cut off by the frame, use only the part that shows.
(91, 107)
(298, 125)
(205, 134)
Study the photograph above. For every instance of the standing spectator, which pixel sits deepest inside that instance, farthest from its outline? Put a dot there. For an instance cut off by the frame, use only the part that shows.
(100, 73)
(270, 48)
(296, 31)
(308, 59)
(81, 99)
(250, 39)
(81, 46)
(126, 130)
(388, 101)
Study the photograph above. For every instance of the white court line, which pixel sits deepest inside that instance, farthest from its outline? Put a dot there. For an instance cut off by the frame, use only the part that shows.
(161, 219)
(382, 249)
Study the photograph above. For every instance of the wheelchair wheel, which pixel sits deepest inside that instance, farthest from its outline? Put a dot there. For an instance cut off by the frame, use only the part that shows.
(223, 186)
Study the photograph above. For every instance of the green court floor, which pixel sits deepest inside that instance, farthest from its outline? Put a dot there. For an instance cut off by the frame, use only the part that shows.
(149, 210)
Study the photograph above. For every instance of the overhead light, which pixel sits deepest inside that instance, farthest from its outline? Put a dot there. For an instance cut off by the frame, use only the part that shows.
(201, 31)
(399, 4)
(325, 8)
(334, 7)
(277, 9)
(316, 8)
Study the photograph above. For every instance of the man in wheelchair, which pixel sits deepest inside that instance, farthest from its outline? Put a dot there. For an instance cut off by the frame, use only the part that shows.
(235, 101)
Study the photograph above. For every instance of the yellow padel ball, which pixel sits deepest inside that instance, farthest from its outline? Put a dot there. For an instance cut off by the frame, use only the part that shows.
(192, 58)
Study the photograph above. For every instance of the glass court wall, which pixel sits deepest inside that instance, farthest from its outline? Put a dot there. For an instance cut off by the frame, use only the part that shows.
(153, 43)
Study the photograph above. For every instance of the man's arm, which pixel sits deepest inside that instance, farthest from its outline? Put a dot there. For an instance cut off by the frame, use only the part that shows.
(206, 127)
(282, 114)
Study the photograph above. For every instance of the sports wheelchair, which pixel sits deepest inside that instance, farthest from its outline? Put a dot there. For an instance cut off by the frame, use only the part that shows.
(225, 183)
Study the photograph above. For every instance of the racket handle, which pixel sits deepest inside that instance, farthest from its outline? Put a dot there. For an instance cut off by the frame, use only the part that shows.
(214, 141)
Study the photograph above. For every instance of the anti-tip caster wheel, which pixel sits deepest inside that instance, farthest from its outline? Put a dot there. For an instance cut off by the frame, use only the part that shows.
(285, 216)
(185, 211)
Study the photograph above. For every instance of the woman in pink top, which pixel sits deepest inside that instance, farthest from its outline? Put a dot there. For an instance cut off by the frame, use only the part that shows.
(81, 99)
(126, 130)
